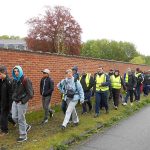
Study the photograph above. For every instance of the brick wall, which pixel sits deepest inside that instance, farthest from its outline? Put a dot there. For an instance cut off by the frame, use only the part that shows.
(33, 62)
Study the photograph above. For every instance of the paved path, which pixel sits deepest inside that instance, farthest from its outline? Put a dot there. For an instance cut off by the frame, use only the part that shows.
(130, 134)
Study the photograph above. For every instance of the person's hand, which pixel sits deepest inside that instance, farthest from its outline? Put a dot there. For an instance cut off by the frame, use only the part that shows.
(81, 102)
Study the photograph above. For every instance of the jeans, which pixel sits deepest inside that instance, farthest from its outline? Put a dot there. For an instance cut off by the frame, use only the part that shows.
(129, 94)
(101, 96)
(46, 106)
(71, 110)
(18, 115)
(146, 89)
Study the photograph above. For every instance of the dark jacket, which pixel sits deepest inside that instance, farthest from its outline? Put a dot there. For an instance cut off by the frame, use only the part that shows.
(146, 79)
(132, 82)
(22, 90)
(139, 79)
(6, 94)
(46, 86)
(84, 85)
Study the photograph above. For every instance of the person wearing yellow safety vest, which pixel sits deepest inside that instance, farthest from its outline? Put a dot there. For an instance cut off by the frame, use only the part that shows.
(116, 84)
(111, 73)
(87, 82)
(130, 83)
(102, 82)
(140, 79)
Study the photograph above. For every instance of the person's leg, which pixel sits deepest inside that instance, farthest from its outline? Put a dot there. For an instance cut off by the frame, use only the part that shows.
(22, 108)
(64, 106)
(127, 96)
(14, 112)
(117, 96)
(70, 109)
(97, 102)
(4, 121)
(131, 96)
(46, 107)
(105, 100)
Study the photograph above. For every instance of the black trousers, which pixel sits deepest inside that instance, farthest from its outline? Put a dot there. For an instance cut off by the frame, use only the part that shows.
(116, 96)
(4, 121)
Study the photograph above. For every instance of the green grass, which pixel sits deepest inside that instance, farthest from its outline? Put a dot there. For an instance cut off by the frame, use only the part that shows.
(43, 137)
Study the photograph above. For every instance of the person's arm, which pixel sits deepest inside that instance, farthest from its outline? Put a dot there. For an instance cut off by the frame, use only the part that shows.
(29, 91)
(80, 91)
(107, 83)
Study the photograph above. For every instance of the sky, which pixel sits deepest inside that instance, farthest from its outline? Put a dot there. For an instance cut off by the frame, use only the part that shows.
(119, 20)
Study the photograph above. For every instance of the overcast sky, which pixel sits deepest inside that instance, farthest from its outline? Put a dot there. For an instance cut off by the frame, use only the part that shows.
(120, 20)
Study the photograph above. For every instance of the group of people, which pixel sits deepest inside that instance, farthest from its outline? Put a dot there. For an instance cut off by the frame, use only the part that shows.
(15, 94)
(80, 88)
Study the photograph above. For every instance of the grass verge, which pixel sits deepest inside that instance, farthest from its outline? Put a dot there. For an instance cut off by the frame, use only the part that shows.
(50, 136)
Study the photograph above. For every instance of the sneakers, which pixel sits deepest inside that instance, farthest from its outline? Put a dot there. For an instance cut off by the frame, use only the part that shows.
(115, 107)
(96, 115)
(63, 127)
(84, 113)
(124, 104)
(131, 104)
(28, 128)
(21, 139)
(44, 121)
(75, 124)
(51, 113)
(3, 134)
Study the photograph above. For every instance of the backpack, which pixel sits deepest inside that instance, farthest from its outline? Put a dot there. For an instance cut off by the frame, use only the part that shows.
(30, 84)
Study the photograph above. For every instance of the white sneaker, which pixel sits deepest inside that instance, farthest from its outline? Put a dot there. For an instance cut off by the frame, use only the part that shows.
(124, 104)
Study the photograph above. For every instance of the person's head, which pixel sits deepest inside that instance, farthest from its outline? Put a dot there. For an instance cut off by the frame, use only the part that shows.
(69, 73)
(46, 73)
(138, 70)
(116, 72)
(129, 71)
(3, 72)
(74, 69)
(17, 73)
(84, 71)
(111, 72)
(100, 70)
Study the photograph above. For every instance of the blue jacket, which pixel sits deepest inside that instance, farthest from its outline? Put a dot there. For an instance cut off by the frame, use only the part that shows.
(76, 86)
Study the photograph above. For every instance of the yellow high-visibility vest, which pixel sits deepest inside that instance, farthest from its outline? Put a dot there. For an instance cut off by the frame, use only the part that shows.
(87, 79)
(137, 75)
(99, 80)
(116, 82)
(126, 78)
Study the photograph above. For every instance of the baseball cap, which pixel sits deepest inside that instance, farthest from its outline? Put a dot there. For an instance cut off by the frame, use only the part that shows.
(46, 71)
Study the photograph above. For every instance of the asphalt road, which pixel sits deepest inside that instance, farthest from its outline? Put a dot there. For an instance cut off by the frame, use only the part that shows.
(130, 134)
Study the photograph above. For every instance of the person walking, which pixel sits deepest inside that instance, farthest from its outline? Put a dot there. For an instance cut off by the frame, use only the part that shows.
(116, 84)
(46, 90)
(130, 83)
(73, 92)
(140, 79)
(5, 99)
(102, 82)
(21, 94)
(87, 82)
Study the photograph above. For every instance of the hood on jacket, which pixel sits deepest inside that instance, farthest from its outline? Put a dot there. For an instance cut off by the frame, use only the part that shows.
(20, 73)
